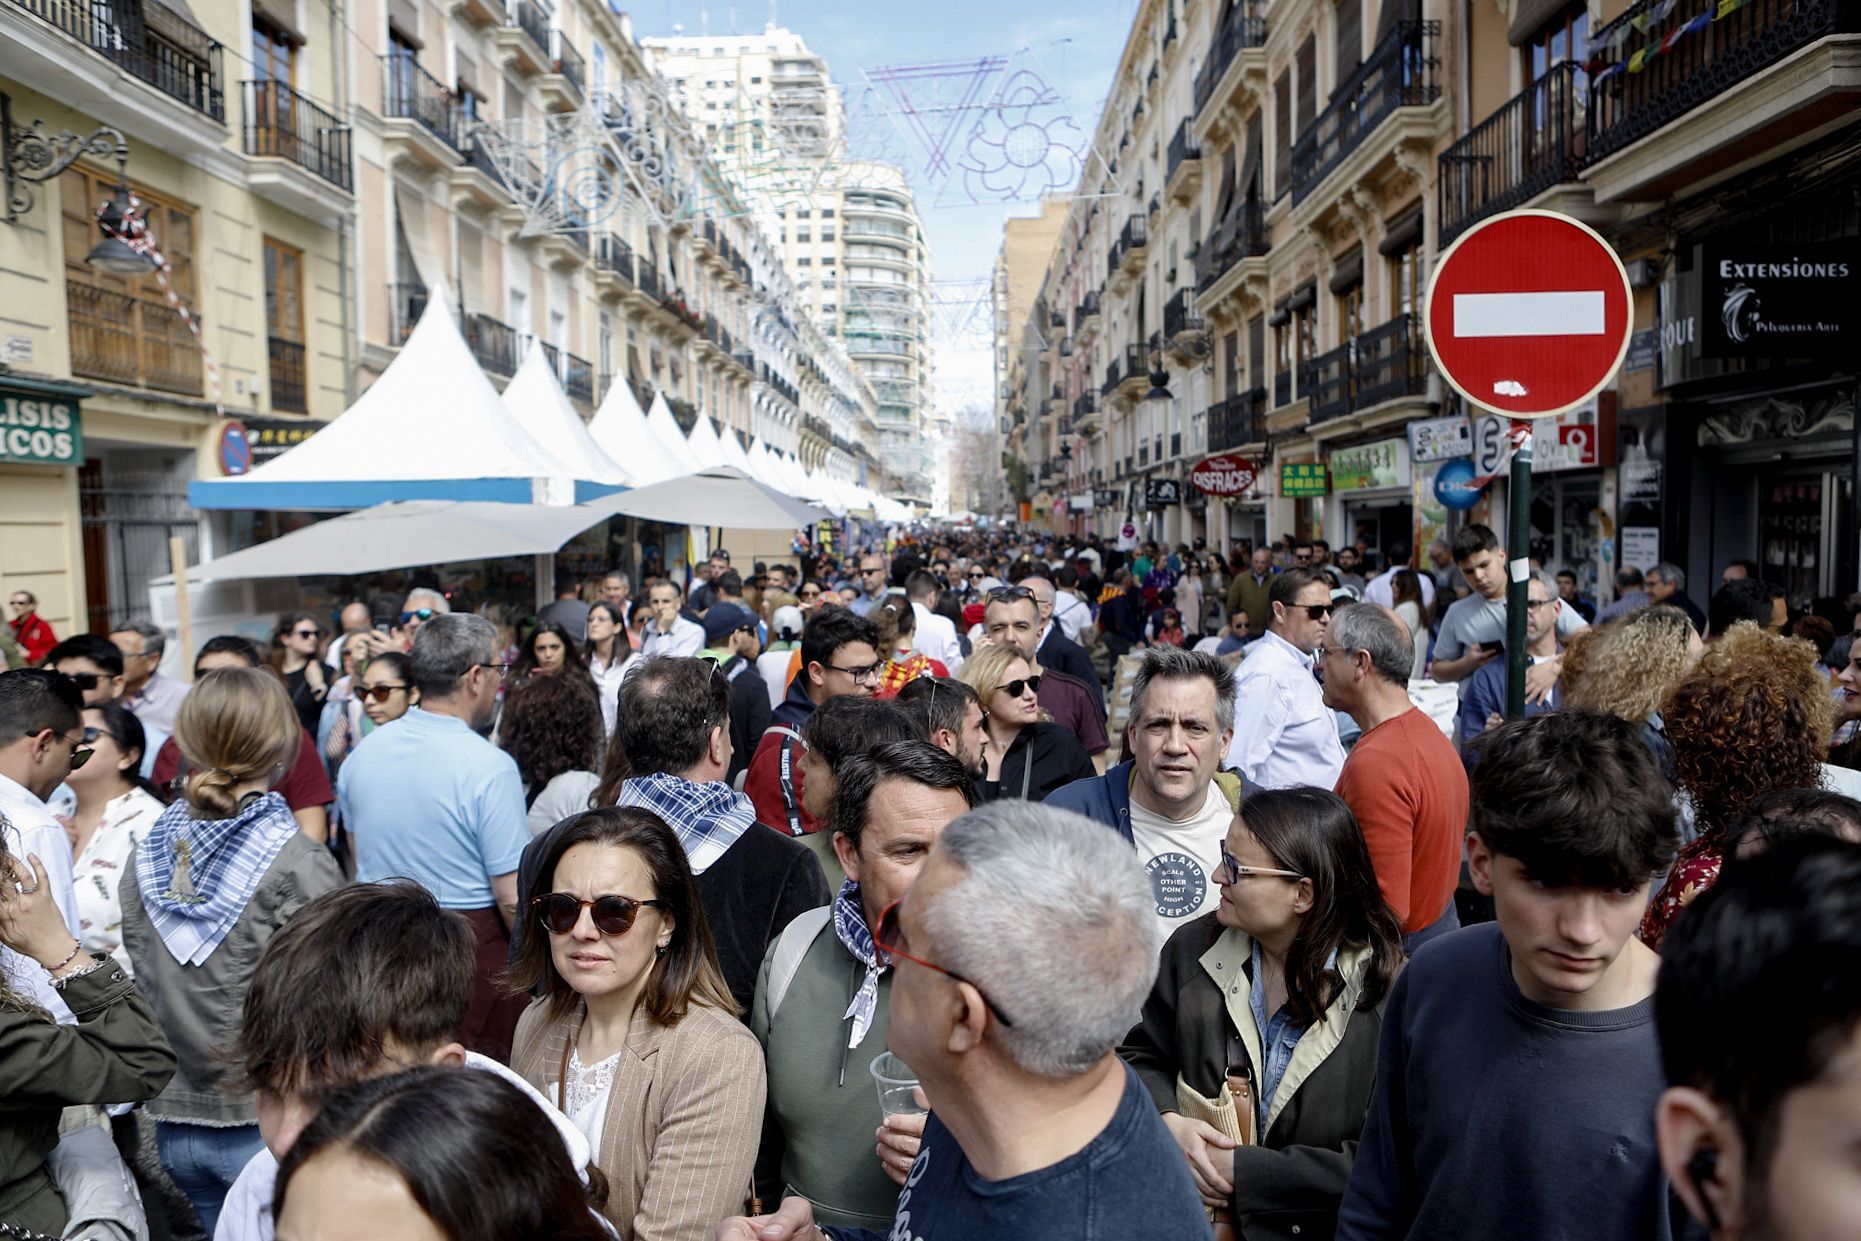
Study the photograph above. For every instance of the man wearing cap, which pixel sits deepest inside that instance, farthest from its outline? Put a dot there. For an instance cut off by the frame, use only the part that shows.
(731, 641)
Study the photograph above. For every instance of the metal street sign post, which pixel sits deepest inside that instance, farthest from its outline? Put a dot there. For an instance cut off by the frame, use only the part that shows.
(1528, 314)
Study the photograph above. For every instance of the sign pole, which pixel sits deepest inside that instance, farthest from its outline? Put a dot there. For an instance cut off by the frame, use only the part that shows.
(1518, 551)
(183, 611)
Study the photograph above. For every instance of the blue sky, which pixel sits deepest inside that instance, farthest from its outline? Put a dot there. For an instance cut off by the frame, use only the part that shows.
(1073, 44)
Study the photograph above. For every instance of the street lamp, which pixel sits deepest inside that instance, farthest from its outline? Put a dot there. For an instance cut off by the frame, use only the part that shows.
(30, 155)
(1159, 379)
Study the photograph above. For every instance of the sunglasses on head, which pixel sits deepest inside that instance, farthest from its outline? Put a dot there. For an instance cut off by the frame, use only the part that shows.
(613, 915)
(380, 693)
(1013, 688)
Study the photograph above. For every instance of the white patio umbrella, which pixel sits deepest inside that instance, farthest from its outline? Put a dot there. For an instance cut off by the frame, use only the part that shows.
(721, 496)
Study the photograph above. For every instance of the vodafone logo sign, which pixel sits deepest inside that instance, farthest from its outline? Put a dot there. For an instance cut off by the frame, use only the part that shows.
(1224, 475)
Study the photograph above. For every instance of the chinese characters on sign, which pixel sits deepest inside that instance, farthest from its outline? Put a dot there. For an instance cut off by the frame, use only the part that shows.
(1304, 478)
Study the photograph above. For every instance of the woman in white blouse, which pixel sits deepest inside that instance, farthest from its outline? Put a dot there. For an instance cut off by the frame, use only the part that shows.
(608, 650)
(115, 809)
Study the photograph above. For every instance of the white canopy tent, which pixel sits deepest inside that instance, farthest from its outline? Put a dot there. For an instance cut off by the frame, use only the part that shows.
(619, 427)
(735, 457)
(720, 497)
(431, 427)
(663, 425)
(704, 444)
(536, 397)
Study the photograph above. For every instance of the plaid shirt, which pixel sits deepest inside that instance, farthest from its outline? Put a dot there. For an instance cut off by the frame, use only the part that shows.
(708, 818)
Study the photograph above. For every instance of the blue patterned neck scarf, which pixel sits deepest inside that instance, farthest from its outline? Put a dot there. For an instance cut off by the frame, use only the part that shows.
(850, 926)
(197, 875)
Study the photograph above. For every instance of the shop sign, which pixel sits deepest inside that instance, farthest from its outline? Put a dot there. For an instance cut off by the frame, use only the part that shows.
(1364, 467)
(1439, 439)
(1105, 497)
(1678, 307)
(1162, 492)
(1787, 300)
(1081, 503)
(40, 429)
(1570, 441)
(273, 437)
(1224, 475)
(1303, 478)
(1641, 350)
(1456, 485)
(1640, 482)
(1641, 546)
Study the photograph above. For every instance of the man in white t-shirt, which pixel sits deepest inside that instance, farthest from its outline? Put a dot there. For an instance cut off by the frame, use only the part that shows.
(1170, 799)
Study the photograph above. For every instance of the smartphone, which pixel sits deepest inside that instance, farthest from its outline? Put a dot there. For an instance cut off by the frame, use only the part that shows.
(1496, 648)
(382, 626)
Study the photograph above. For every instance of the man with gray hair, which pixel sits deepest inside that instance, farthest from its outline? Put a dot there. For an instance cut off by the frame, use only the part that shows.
(1667, 583)
(151, 697)
(426, 797)
(1015, 1054)
(1483, 703)
(1170, 799)
(1403, 780)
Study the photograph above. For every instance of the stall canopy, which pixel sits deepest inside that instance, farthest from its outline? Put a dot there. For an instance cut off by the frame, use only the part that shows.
(537, 400)
(619, 427)
(414, 533)
(664, 426)
(705, 445)
(431, 428)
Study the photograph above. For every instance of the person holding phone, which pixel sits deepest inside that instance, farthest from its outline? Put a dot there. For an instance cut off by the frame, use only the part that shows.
(1473, 631)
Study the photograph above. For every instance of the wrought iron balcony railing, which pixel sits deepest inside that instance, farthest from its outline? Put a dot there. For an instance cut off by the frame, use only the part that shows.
(411, 92)
(1241, 419)
(1236, 31)
(1535, 140)
(1183, 147)
(1242, 235)
(494, 344)
(1390, 361)
(1399, 74)
(1326, 381)
(281, 122)
(406, 303)
(149, 43)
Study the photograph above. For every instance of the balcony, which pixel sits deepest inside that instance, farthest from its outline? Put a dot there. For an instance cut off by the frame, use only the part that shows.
(1536, 140)
(1086, 318)
(1399, 74)
(523, 39)
(1237, 33)
(1132, 242)
(1136, 371)
(286, 361)
(1185, 164)
(1243, 235)
(1391, 362)
(419, 112)
(406, 303)
(130, 340)
(1179, 317)
(478, 178)
(1238, 421)
(1756, 80)
(1088, 413)
(562, 86)
(494, 344)
(613, 264)
(576, 374)
(1114, 376)
(302, 152)
(1326, 382)
(150, 43)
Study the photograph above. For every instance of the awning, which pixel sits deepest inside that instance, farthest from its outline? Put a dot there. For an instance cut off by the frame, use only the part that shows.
(705, 445)
(665, 428)
(619, 427)
(724, 496)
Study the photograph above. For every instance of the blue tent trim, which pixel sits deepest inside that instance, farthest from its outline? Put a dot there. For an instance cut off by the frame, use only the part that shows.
(346, 495)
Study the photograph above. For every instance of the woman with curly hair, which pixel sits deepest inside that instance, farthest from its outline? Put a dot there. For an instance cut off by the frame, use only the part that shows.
(1627, 668)
(1754, 715)
(552, 728)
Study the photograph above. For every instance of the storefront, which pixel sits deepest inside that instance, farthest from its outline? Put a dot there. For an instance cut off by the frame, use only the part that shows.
(1303, 488)
(42, 448)
(1371, 502)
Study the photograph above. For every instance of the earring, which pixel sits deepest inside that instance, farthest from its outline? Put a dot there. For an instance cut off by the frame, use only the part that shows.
(660, 951)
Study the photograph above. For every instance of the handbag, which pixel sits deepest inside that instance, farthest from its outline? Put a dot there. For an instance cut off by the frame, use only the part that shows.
(1231, 1112)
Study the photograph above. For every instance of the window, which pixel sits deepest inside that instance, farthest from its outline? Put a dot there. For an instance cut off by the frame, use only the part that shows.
(1564, 37)
(274, 52)
(284, 324)
(827, 213)
(1350, 40)
(1282, 133)
(1308, 84)
(827, 234)
(804, 261)
(1405, 278)
(122, 328)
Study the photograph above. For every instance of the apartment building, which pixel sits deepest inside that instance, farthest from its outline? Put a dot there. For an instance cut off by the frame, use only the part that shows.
(848, 230)
(1020, 348)
(1276, 182)
(310, 171)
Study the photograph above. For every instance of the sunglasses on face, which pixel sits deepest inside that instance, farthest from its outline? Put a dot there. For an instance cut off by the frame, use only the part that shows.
(380, 693)
(613, 915)
(86, 680)
(80, 745)
(306, 633)
(1233, 872)
(891, 939)
(1317, 611)
(1013, 688)
(419, 614)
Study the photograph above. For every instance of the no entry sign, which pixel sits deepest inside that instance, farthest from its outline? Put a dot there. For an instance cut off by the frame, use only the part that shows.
(1528, 313)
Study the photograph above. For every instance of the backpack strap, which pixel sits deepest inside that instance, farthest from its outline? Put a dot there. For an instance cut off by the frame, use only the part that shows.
(790, 947)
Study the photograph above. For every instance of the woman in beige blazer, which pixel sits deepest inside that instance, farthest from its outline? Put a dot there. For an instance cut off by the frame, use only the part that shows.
(636, 1037)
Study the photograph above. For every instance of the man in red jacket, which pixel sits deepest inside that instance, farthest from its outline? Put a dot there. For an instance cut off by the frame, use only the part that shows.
(30, 630)
(839, 656)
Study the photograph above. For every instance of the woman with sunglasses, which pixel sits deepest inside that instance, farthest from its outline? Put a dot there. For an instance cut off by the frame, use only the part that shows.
(810, 596)
(1029, 756)
(635, 1035)
(1277, 993)
(295, 657)
(380, 695)
(116, 808)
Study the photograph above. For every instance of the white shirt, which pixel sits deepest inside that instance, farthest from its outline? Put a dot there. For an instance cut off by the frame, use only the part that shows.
(1382, 588)
(1070, 613)
(563, 796)
(684, 639)
(773, 666)
(607, 679)
(36, 831)
(246, 1214)
(156, 703)
(98, 873)
(1284, 735)
(935, 637)
(1181, 857)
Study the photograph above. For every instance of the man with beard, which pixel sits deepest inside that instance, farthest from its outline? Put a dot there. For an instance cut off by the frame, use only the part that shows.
(952, 719)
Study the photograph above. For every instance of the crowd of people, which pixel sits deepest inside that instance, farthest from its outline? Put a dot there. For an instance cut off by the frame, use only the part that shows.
(782, 904)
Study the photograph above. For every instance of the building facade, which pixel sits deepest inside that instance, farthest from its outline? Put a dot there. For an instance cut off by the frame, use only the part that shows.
(848, 229)
(1277, 183)
(310, 171)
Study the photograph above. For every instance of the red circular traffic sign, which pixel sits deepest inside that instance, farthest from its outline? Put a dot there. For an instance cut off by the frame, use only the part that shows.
(1223, 475)
(1528, 313)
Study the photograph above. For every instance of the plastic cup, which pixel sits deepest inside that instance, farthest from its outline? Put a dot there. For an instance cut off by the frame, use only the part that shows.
(896, 1084)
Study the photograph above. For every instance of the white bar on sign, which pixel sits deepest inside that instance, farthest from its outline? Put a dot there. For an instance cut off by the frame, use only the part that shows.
(1529, 314)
